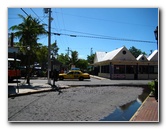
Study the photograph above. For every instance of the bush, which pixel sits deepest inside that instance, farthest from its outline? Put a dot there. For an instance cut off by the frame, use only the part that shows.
(151, 86)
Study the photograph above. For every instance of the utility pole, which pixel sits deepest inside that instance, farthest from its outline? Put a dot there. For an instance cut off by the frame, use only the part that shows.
(91, 51)
(49, 45)
(68, 50)
(48, 10)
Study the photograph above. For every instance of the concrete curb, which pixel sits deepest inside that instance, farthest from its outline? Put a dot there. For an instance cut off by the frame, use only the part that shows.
(97, 77)
(35, 92)
(28, 93)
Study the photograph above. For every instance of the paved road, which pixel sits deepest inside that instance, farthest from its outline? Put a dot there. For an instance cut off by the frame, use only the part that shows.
(92, 81)
(42, 84)
(74, 104)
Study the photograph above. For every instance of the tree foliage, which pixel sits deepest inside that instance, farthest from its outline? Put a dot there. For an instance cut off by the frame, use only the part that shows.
(64, 59)
(54, 49)
(68, 61)
(82, 64)
(42, 55)
(73, 60)
(28, 32)
(136, 52)
(90, 58)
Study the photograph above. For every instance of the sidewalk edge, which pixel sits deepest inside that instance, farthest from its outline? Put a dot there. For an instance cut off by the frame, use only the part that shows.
(138, 109)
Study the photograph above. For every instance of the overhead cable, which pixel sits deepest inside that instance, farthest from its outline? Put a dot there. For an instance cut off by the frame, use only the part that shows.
(108, 38)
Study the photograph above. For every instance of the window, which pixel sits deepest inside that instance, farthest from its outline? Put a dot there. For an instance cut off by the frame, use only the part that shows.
(70, 73)
(156, 69)
(119, 69)
(105, 69)
(130, 69)
(77, 73)
(151, 69)
(13, 65)
(143, 69)
(124, 52)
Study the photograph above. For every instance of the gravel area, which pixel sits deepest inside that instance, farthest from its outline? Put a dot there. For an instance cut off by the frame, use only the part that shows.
(74, 104)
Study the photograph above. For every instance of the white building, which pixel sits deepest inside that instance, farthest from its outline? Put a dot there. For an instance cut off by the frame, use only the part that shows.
(121, 64)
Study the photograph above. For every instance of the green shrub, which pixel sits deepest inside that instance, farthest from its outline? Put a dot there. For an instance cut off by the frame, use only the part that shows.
(151, 86)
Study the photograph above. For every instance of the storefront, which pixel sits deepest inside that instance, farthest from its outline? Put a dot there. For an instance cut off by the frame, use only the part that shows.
(121, 64)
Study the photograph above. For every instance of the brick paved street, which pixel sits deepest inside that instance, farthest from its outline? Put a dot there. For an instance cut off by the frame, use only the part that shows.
(148, 111)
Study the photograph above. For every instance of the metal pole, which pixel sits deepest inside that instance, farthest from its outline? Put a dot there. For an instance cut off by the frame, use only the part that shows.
(15, 61)
(49, 45)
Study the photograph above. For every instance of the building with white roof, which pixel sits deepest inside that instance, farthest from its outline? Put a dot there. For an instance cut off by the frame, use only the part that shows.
(121, 64)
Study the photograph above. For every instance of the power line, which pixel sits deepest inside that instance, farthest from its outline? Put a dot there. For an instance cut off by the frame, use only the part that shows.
(106, 20)
(37, 15)
(108, 38)
(24, 11)
(94, 35)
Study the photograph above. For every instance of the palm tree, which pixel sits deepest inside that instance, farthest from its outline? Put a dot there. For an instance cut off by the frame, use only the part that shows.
(74, 58)
(28, 32)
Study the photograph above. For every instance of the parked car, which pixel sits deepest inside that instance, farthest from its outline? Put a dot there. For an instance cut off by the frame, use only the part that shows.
(74, 74)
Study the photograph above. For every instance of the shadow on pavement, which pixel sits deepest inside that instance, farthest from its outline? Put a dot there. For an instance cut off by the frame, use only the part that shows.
(26, 86)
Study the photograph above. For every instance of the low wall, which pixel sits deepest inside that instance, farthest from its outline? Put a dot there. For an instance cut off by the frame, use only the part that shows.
(129, 76)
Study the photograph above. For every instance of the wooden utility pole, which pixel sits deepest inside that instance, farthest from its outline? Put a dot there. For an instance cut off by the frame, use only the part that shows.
(48, 10)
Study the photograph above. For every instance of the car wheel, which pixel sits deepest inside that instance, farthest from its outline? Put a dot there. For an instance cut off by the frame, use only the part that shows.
(81, 78)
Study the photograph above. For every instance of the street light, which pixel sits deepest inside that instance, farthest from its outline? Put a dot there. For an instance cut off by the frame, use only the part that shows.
(156, 35)
(156, 80)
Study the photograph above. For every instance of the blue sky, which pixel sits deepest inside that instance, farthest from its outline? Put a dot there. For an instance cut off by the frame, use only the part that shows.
(93, 25)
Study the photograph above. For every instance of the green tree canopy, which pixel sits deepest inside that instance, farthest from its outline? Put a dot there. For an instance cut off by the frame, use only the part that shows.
(82, 64)
(90, 58)
(28, 32)
(54, 49)
(74, 58)
(42, 55)
(64, 59)
(136, 52)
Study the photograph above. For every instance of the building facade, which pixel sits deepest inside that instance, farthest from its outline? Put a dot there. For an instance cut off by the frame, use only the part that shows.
(121, 64)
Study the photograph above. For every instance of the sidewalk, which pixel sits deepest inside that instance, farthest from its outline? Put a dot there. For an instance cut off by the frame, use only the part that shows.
(25, 89)
(148, 112)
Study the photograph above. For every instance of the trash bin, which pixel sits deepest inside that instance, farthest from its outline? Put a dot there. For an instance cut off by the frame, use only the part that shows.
(156, 89)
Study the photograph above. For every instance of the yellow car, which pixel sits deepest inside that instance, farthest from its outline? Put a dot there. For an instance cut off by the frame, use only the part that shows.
(74, 74)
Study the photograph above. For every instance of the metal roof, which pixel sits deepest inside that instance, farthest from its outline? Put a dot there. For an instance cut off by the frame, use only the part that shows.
(142, 57)
(114, 55)
(153, 56)
(99, 56)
